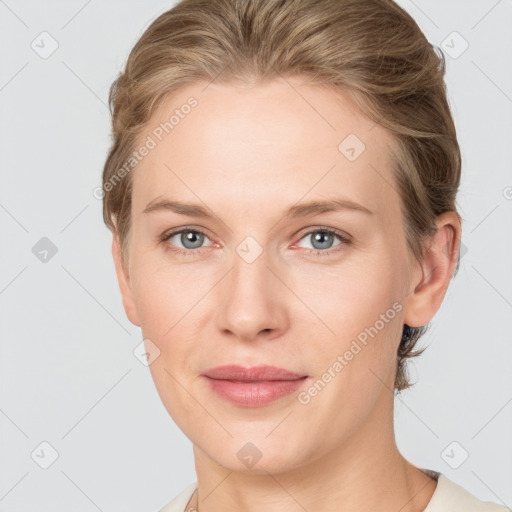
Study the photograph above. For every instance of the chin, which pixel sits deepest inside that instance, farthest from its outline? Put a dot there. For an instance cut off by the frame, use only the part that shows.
(242, 455)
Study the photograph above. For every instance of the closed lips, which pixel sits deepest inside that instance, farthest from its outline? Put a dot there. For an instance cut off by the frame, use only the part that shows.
(262, 373)
(256, 386)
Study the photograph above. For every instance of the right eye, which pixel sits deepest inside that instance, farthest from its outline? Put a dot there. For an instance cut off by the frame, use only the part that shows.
(190, 240)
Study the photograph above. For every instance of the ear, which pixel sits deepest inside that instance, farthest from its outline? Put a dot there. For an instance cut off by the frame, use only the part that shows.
(123, 279)
(434, 273)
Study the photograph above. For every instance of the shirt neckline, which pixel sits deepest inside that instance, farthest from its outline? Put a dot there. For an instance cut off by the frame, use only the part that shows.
(438, 493)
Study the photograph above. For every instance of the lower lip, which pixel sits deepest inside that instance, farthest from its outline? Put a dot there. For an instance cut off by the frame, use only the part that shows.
(254, 394)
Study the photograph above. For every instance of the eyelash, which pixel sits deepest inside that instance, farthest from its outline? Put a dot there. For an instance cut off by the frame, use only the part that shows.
(345, 240)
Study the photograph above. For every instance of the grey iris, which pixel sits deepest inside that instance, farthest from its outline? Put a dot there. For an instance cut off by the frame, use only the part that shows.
(321, 237)
(195, 238)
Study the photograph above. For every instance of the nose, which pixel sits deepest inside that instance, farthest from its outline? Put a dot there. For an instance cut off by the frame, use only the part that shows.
(252, 300)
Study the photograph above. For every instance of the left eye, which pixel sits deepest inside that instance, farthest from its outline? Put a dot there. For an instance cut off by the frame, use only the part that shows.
(322, 239)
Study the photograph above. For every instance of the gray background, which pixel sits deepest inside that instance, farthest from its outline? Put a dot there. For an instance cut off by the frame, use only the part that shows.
(68, 373)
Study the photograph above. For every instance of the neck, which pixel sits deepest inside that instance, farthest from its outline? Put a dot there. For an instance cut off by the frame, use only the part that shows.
(365, 472)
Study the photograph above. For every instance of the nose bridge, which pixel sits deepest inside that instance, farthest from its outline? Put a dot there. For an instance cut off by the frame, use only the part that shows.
(250, 302)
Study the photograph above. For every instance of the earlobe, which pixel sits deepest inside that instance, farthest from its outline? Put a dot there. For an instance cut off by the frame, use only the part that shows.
(436, 270)
(123, 279)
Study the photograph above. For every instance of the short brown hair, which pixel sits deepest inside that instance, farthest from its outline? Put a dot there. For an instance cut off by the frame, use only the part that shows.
(371, 49)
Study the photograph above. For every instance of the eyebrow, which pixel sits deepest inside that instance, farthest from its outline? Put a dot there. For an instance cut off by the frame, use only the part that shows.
(299, 210)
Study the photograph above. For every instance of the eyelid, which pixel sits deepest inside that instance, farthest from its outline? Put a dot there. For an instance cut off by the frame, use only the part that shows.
(313, 229)
(174, 231)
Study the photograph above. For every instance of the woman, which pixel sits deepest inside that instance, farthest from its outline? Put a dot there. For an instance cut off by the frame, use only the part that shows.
(281, 191)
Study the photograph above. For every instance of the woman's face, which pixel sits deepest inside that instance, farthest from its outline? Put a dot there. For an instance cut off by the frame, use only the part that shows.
(256, 281)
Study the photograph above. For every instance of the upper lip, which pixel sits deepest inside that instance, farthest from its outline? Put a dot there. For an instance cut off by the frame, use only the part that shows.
(251, 374)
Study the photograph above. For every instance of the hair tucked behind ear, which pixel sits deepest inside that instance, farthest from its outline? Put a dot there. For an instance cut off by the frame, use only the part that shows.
(372, 49)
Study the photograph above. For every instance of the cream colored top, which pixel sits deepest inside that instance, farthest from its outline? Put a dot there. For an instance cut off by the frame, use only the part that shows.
(448, 497)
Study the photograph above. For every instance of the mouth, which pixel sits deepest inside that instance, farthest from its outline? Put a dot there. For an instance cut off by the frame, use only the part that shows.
(252, 387)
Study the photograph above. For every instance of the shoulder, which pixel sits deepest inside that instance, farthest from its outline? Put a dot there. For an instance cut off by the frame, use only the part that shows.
(179, 503)
(451, 497)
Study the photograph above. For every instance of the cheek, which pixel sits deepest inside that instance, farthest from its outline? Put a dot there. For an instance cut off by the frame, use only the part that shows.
(165, 305)
(346, 299)
(163, 294)
(172, 302)
(357, 314)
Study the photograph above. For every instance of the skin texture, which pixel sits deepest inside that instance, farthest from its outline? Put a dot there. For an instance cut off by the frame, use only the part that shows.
(247, 153)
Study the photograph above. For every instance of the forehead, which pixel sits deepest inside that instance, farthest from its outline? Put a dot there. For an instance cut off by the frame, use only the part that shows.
(273, 141)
